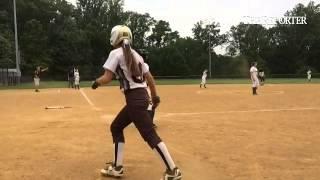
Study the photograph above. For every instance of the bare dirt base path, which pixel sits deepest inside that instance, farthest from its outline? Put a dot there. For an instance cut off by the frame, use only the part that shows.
(222, 133)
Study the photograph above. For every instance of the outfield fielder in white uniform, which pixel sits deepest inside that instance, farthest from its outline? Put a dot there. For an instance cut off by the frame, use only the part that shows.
(254, 78)
(309, 75)
(204, 79)
(76, 79)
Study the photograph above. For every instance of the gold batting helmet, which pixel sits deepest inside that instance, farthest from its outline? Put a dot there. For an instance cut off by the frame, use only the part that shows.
(119, 33)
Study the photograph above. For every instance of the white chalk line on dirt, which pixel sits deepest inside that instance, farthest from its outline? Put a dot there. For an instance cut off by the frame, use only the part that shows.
(239, 92)
(242, 111)
(89, 101)
(87, 98)
(49, 91)
(261, 93)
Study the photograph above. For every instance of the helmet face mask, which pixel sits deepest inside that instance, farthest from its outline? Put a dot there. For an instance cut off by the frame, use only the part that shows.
(119, 33)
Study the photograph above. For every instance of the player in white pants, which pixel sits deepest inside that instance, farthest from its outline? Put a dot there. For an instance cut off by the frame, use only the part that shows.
(309, 74)
(76, 79)
(204, 79)
(254, 78)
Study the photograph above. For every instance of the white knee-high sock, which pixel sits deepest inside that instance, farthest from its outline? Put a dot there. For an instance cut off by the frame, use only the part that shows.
(162, 151)
(118, 153)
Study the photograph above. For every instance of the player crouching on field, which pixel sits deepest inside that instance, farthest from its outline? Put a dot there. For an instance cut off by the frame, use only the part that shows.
(133, 75)
(254, 78)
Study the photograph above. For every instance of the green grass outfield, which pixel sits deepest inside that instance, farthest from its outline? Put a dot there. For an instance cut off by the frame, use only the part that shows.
(64, 84)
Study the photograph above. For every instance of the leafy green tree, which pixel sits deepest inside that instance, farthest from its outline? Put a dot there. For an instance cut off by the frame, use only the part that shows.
(65, 40)
(250, 40)
(96, 18)
(6, 39)
(33, 18)
(297, 45)
(204, 33)
(140, 25)
(34, 43)
(5, 52)
(162, 35)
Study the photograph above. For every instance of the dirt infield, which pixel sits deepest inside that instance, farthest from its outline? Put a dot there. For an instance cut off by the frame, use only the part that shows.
(219, 133)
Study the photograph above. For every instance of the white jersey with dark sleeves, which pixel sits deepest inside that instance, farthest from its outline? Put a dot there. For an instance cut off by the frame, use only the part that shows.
(117, 64)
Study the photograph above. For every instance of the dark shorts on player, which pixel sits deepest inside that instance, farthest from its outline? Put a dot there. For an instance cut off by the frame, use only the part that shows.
(135, 111)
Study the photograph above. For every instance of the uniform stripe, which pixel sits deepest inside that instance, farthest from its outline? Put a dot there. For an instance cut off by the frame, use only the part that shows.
(163, 157)
(115, 154)
(86, 97)
(123, 79)
(118, 153)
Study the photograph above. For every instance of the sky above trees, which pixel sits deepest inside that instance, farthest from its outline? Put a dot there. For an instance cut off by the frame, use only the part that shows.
(183, 14)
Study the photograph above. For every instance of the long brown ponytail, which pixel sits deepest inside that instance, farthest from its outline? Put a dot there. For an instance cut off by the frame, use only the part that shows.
(130, 60)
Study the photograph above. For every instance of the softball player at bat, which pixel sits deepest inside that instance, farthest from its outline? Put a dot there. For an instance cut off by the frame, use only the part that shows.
(134, 75)
(204, 79)
(254, 78)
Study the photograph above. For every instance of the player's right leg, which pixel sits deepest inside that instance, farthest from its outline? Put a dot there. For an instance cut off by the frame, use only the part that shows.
(36, 84)
(115, 168)
(255, 90)
(255, 84)
(202, 83)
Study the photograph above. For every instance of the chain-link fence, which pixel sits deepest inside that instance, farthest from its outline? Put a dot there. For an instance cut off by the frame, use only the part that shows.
(8, 77)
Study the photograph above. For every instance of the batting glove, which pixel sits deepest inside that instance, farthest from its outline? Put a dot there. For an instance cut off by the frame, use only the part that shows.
(95, 85)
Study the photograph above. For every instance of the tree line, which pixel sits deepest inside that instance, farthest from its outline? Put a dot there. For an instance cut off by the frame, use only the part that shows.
(57, 34)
